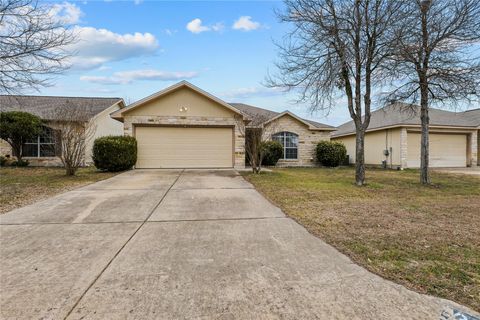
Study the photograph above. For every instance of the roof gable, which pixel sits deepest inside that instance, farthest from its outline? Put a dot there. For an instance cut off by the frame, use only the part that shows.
(260, 116)
(291, 115)
(183, 84)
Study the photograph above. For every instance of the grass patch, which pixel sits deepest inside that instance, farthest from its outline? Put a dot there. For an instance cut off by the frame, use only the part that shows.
(426, 238)
(23, 186)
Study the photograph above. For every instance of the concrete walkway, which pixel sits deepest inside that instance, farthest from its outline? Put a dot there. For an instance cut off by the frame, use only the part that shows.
(174, 244)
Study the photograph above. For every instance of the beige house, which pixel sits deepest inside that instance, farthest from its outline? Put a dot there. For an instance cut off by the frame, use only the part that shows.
(183, 126)
(393, 137)
(44, 149)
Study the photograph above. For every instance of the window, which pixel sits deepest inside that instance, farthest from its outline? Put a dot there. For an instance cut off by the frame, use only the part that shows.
(289, 142)
(42, 145)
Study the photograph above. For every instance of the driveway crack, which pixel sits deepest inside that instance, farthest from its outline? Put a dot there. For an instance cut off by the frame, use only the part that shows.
(122, 247)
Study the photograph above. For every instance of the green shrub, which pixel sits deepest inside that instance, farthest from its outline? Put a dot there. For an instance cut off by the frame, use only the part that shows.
(272, 152)
(3, 161)
(20, 163)
(330, 153)
(115, 153)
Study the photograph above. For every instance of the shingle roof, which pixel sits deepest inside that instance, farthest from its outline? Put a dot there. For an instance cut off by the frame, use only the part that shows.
(473, 115)
(399, 114)
(46, 107)
(260, 115)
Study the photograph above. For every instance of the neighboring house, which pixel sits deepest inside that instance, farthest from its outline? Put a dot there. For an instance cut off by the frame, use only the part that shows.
(44, 149)
(393, 137)
(183, 126)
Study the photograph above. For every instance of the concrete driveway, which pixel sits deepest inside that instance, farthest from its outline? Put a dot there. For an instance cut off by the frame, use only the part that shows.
(184, 244)
(472, 171)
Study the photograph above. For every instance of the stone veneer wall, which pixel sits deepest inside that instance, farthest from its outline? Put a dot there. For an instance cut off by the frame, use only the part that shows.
(473, 140)
(307, 140)
(403, 148)
(5, 148)
(236, 123)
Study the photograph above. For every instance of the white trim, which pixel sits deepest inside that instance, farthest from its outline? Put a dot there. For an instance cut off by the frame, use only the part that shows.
(119, 103)
(284, 144)
(119, 113)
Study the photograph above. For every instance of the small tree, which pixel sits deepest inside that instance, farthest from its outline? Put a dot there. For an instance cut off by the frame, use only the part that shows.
(256, 133)
(16, 127)
(74, 127)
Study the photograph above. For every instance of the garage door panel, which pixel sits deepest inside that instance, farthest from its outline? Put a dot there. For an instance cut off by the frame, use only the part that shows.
(178, 147)
(446, 150)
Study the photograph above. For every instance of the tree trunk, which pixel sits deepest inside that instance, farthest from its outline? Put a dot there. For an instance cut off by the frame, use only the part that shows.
(17, 152)
(425, 120)
(360, 158)
(70, 171)
(424, 145)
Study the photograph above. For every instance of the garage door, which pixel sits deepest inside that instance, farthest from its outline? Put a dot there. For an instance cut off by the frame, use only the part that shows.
(446, 150)
(178, 147)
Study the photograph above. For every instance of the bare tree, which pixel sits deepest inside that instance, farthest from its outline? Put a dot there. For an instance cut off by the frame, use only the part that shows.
(74, 127)
(258, 131)
(337, 47)
(32, 45)
(436, 60)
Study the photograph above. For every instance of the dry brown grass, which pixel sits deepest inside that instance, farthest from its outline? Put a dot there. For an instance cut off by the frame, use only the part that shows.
(23, 186)
(426, 238)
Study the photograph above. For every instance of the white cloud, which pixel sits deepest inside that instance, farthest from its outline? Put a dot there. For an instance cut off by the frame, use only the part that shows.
(98, 46)
(195, 26)
(66, 12)
(219, 26)
(252, 92)
(170, 32)
(126, 77)
(245, 23)
(102, 90)
(137, 2)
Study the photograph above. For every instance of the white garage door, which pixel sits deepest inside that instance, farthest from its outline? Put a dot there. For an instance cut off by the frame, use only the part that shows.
(178, 147)
(446, 150)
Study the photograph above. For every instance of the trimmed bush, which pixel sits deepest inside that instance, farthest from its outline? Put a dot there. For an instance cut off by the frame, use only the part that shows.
(273, 151)
(330, 153)
(115, 153)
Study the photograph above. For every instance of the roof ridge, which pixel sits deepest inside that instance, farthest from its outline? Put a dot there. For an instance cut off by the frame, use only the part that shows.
(418, 106)
(48, 96)
(276, 114)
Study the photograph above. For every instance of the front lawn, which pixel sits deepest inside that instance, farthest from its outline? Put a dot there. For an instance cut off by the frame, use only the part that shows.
(426, 238)
(23, 186)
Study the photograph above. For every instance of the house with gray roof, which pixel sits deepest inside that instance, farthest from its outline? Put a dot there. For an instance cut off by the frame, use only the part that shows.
(181, 126)
(393, 137)
(44, 149)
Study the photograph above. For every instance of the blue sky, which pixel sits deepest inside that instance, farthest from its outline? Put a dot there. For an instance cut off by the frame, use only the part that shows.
(132, 49)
